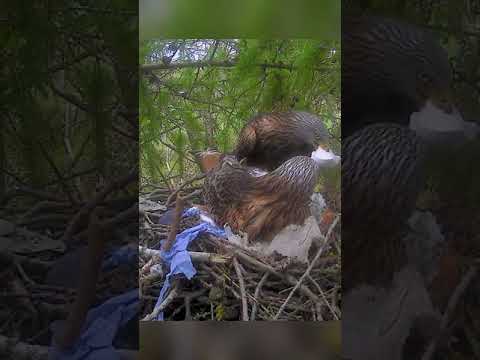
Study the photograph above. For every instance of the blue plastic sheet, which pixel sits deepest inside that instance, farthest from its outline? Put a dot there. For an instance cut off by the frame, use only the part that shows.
(168, 216)
(177, 258)
(123, 255)
(100, 328)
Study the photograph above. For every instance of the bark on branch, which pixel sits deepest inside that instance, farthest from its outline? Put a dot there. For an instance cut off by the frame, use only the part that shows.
(213, 63)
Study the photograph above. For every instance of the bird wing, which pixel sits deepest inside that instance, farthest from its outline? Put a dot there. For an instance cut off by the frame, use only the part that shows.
(246, 141)
(226, 185)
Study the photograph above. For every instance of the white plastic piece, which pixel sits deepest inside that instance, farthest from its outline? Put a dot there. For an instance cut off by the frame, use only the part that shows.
(424, 243)
(317, 206)
(293, 242)
(204, 217)
(379, 319)
(434, 124)
(325, 158)
(431, 118)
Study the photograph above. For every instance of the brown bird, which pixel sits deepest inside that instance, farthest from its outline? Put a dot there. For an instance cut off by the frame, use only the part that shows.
(381, 178)
(257, 203)
(268, 140)
(397, 73)
(390, 70)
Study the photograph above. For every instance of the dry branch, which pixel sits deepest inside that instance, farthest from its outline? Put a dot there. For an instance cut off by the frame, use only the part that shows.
(263, 282)
(242, 289)
(449, 312)
(87, 288)
(176, 222)
(310, 267)
(87, 208)
(199, 64)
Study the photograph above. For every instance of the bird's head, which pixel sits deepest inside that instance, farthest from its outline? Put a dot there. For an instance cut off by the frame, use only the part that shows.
(209, 159)
(437, 119)
(424, 73)
(400, 73)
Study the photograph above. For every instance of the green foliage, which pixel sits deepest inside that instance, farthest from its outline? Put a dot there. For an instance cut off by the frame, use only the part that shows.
(238, 79)
(66, 68)
(250, 18)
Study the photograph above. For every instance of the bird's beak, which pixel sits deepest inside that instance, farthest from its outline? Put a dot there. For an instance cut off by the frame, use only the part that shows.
(436, 125)
(325, 158)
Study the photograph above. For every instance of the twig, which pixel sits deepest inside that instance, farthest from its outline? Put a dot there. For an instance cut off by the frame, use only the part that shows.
(39, 194)
(288, 278)
(452, 304)
(120, 218)
(196, 256)
(310, 267)
(188, 309)
(181, 187)
(88, 207)
(193, 194)
(87, 287)
(71, 98)
(58, 173)
(171, 296)
(322, 294)
(214, 63)
(22, 273)
(242, 289)
(44, 206)
(176, 223)
(19, 350)
(256, 295)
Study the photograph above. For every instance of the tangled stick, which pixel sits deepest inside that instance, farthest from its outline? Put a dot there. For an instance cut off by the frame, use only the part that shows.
(170, 297)
(87, 208)
(452, 304)
(242, 289)
(87, 287)
(257, 294)
(310, 267)
(179, 204)
(181, 187)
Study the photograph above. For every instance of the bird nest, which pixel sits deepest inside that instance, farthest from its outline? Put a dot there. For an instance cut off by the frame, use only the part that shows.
(231, 282)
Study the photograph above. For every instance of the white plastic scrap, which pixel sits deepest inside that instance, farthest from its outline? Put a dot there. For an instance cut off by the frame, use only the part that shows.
(317, 206)
(424, 243)
(434, 124)
(325, 158)
(294, 241)
(379, 319)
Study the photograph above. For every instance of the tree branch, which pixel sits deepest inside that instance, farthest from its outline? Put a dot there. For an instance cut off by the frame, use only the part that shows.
(213, 63)
(72, 99)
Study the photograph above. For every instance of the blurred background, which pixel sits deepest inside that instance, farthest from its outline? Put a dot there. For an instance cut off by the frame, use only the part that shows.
(238, 340)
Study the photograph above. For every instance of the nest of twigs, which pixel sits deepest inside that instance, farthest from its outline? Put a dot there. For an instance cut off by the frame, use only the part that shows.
(234, 283)
(44, 244)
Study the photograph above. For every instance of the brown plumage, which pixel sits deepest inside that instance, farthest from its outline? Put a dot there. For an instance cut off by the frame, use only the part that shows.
(382, 175)
(268, 140)
(260, 206)
(390, 69)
